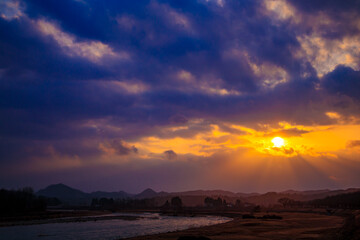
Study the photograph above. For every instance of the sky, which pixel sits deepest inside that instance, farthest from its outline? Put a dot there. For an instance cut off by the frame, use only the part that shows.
(180, 95)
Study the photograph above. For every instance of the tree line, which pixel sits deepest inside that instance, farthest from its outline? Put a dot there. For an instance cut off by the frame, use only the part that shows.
(147, 203)
(344, 201)
(23, 201)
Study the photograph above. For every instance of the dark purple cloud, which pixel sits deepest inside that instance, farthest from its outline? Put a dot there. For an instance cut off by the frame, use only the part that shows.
(122, 148)
(343, 81)
(341, 14)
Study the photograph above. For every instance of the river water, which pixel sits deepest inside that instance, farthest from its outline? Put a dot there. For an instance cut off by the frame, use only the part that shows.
(150, 223)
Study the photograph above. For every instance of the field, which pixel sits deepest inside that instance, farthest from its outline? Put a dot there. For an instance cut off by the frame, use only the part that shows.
(292, 226)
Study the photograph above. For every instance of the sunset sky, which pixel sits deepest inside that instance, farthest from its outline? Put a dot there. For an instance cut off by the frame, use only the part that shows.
(180, 94)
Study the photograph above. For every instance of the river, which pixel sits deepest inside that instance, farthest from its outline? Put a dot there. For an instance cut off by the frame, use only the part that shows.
(149, 223)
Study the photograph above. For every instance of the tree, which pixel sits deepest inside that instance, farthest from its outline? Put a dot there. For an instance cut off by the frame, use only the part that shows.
(238, 203)
(167, 204)
(257, 208)
(218, 202)
(94, 202)
(28, 190)
(209, 202)
(287, 202)
(21, 201)
(176, 202)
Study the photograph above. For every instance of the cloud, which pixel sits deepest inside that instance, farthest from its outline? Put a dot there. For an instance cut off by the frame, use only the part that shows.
(101, 81)
(280, 9)
(332, 18)
(287, 151)
(343, 81)
(328, 35)
(333, 115)
(132, 86)
(353, 143)
(292, 132)
(11, 9)
(170, 155)
(178, 119)
(91, 50)
(220, 3)
(326, 54)
(229, 171)
(117, 147)
(172, 17)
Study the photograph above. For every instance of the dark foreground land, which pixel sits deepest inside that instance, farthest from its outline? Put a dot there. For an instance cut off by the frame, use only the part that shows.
(343, 224)
(293, 225)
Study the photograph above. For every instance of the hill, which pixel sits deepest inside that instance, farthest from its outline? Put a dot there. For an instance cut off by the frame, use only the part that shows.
(65, 194)
(272, 198)
(147, 193)
(347, 200)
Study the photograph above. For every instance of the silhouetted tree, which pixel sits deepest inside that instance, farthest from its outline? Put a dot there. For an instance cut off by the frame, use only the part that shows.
(51, 201)
(209, 202)
(95, 202)
(218, 202)
(28, 190)
(285, 201)
(257, 208)
(166, 204)
(347, 200)
(21, 201)
(176, 202)
(238, 203)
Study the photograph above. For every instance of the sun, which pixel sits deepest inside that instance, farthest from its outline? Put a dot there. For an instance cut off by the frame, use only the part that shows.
(278, 142)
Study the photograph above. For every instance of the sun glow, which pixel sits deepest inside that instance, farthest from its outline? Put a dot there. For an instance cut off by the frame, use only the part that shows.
(278, 142)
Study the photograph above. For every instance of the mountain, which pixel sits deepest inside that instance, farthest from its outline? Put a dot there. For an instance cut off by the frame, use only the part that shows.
(61, 191)
(76, 197)
(272, 198)
(308, 192)
(209, 193)
(147, 193)
(65, 194)
(115, 195)
(244, 195)
(346, 200)
(72, 196)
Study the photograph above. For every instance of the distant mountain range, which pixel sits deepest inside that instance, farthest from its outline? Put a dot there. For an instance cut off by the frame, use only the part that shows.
(74, 196)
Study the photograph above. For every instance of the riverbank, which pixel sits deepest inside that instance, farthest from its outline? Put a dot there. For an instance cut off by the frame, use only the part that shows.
(293, 225)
